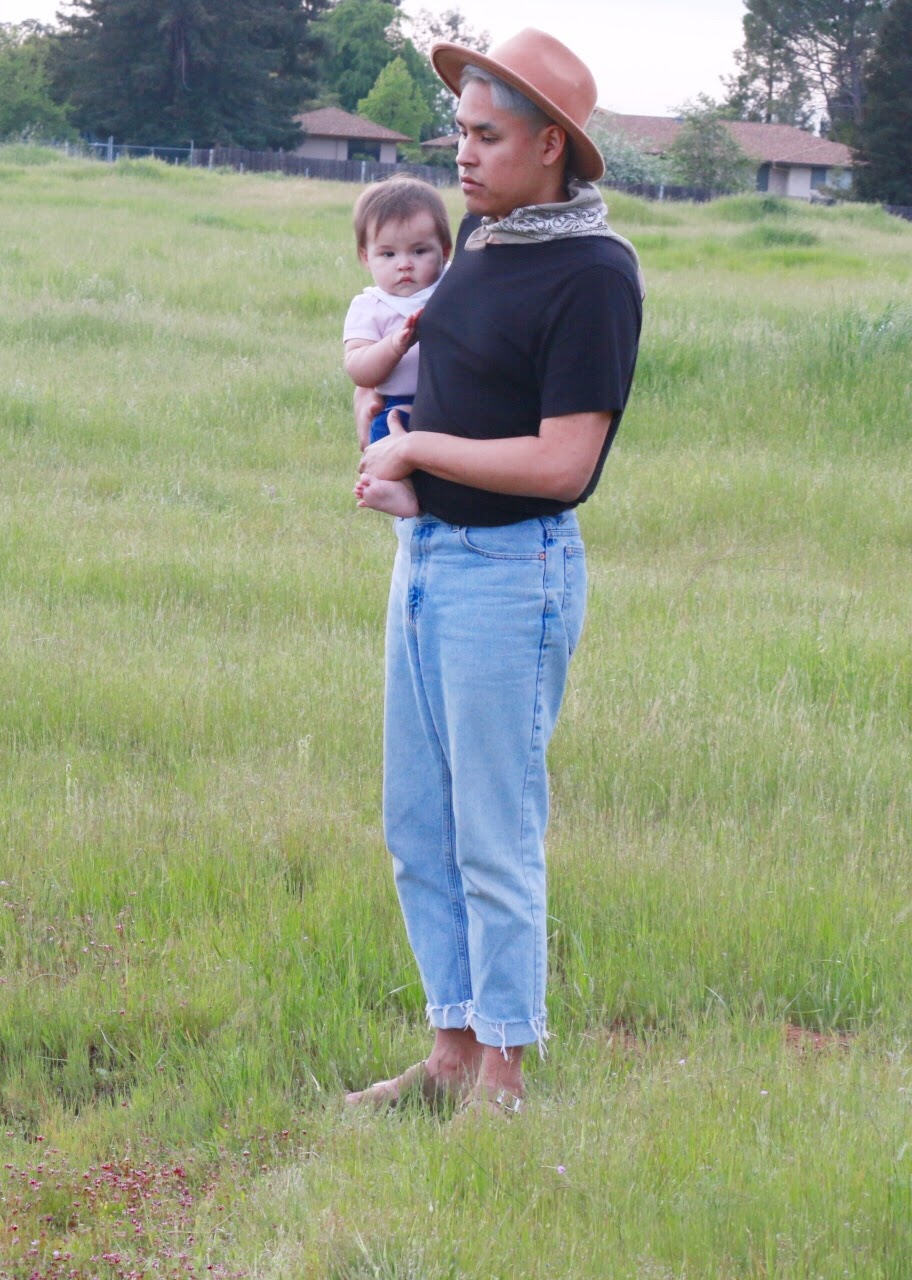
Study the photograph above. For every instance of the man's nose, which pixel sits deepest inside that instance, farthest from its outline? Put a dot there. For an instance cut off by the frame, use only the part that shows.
(465, 154)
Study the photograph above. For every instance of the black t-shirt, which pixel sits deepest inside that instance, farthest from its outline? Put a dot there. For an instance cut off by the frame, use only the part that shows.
(517, 333)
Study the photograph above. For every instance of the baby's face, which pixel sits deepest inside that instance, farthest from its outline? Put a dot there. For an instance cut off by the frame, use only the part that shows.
(404, 257)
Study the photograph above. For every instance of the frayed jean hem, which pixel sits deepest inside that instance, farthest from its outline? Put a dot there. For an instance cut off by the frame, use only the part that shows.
(497, 1035)
(450, 1017)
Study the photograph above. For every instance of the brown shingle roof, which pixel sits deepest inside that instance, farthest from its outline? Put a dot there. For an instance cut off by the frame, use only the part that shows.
(333, 122)
(765, 143)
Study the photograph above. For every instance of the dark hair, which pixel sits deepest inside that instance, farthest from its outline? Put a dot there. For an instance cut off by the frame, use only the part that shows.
(396, 200)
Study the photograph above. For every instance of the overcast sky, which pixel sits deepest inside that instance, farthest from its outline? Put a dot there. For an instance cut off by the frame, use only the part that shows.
(647, 57)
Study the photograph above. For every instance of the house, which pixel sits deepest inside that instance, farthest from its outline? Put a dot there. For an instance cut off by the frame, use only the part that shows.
(790, 162)
(333, 134)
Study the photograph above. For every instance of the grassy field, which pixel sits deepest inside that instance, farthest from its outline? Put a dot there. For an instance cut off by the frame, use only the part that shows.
(200, 946)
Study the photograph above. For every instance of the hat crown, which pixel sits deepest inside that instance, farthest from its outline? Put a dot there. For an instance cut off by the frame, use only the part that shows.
(551, 68)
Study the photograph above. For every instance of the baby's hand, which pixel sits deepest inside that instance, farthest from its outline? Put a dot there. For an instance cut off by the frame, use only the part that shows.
(407, 335)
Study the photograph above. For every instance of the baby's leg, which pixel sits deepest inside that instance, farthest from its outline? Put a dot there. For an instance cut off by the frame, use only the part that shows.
(395, 497)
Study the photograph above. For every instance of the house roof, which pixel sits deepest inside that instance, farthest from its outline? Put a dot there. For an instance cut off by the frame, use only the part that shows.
(333, 122)
(766, 143)
(441, 144)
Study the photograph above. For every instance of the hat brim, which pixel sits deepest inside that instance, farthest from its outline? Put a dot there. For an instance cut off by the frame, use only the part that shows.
(449, 61)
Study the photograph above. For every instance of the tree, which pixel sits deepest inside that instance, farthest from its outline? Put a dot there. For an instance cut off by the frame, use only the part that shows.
(827, 43)
(886, 134)
(358, 47)
(396, 101)
(704, 154)
(769, 87)
(26, 105)
(625, 163)
(427, 28)
(172, 71)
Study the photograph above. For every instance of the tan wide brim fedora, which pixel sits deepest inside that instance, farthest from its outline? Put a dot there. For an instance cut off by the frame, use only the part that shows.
(548, 74)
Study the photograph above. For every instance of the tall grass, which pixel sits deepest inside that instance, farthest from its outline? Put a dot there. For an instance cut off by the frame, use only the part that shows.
(199, 938)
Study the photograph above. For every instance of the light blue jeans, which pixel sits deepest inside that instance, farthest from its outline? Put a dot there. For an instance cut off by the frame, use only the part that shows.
(482, 623)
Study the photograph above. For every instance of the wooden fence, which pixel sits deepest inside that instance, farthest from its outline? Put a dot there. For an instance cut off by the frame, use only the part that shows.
(336, 170)
(900, 211)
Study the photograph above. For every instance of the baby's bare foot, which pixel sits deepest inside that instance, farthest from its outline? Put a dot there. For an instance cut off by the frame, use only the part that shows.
(395, 497)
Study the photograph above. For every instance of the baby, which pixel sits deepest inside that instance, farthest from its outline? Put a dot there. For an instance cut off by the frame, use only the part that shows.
(403, 237)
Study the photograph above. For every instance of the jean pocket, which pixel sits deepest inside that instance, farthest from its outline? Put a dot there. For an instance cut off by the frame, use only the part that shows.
(573, 600)
(524, 541)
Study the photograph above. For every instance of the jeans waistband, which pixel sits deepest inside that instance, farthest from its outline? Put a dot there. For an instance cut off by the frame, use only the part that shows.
(564, 525)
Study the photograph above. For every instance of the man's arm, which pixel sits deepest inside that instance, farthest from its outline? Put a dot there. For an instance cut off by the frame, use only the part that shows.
(557, 463)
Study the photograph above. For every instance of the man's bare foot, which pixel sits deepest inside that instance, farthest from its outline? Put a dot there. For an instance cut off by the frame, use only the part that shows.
(498, 1088)
(448, 1074)
(395, 497)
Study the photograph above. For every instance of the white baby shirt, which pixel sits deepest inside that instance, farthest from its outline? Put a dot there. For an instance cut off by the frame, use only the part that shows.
(375, 313)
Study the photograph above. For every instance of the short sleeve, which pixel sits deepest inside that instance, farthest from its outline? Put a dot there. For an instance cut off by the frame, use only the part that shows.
(362, 320)
(589, 344)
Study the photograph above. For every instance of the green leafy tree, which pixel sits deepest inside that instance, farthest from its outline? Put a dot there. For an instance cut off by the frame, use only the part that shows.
(704, 154)
(886, 134)
(625, 163)
(396, 101)
(358, 36)
(26, 104)
(768, 87)
(168, 71)
(426, 29)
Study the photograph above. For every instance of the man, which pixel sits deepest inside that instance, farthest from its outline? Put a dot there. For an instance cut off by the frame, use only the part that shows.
(527, 355)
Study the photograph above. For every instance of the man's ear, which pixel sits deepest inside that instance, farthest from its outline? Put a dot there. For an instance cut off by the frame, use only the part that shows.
(554, 144)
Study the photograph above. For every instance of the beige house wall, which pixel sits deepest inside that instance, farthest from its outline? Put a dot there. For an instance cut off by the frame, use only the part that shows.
(313, 148)
(387, 153)
(799, 182)
(778, 181)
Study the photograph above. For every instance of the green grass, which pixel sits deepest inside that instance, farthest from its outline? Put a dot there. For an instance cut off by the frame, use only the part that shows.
(200, 946)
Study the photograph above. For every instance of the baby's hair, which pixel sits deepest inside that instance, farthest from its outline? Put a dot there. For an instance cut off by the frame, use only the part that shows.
(398, 199)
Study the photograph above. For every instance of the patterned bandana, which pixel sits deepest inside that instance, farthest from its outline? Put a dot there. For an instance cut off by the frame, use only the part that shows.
(584, 214)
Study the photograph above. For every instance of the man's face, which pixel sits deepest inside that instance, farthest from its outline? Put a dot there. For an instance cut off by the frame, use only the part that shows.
(501, 156)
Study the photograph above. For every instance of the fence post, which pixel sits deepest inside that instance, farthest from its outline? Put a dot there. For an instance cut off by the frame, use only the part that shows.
(111, 149)
(211, 154)
(661, 190)
(191, 153)
(363, 170)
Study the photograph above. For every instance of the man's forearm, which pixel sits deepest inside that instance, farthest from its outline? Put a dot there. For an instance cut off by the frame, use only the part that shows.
(544, 466)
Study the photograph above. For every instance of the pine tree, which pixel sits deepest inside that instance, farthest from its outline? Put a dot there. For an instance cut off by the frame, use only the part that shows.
(396, 101)
(172, 71)
(886, 134)
(769, 87)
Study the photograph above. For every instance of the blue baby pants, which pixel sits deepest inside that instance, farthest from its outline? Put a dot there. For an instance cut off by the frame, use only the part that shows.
(379, 426)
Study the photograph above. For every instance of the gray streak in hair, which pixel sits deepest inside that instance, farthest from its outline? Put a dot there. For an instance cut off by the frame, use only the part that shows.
(504, 97)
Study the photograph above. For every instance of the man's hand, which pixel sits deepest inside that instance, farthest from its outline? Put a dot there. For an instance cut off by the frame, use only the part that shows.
(367, 404)
(388, 458)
